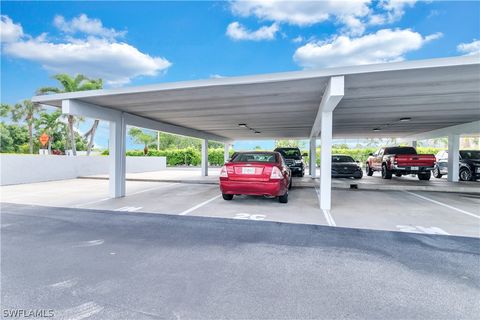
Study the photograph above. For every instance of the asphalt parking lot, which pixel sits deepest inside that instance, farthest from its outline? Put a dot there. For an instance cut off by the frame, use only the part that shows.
(405, 211)
(100, 264)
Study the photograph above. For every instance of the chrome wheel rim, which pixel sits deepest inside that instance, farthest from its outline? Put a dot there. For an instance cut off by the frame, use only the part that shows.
(465, 175)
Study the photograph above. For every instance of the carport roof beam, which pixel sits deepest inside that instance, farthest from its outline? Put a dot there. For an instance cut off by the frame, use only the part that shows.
(334, 92)
(80, 108)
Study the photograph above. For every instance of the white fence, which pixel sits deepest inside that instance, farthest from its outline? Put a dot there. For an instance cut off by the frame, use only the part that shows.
(16, 169)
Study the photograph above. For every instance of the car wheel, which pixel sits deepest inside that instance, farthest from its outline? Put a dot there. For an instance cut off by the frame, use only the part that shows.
(302, 174)
(227, 197)
(290, 184)
(436, 172)
(465, 174)
(369, 170)
(386, 174)
(284, 198)
(424, 176)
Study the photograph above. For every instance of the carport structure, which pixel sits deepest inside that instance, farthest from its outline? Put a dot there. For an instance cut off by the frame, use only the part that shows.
(412, 100)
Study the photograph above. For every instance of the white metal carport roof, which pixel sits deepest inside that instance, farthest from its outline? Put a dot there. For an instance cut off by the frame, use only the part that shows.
(434, 93)
(438, 95)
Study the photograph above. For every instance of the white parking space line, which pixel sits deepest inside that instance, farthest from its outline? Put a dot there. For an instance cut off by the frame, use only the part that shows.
(326, 213)
(199, 205)
(443, 204)
(128, 194)
(329, 218)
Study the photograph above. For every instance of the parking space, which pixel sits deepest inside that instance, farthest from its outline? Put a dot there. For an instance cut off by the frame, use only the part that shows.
(406, 211)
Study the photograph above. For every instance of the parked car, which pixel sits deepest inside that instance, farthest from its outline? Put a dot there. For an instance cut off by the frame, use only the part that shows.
(345, 167)
(294, 160)
(400, 161)
(256, 173)
(469, 165)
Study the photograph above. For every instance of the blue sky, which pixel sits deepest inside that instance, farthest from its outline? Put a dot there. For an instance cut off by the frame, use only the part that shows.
(135, 43)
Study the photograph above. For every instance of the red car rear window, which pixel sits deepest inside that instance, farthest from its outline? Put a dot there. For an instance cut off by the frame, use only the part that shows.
(267, 157)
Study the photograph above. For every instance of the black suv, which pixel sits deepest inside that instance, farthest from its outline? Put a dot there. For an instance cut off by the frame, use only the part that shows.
(469, 165)
(293, 159)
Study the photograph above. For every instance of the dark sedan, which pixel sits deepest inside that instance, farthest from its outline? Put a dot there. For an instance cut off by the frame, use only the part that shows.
(345, 167)
(469, 165)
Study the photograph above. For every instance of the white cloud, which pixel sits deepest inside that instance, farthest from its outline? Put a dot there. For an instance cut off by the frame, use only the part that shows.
(469, 49)
(301, 13)
(383, 46)
(238, 32)
(115, 62)
(354, 16)
(9, 31)
(83, 24)
(395, 9)
(298, 39)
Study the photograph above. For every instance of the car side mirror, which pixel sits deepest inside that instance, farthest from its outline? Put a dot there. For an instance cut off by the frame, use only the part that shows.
(304, 154)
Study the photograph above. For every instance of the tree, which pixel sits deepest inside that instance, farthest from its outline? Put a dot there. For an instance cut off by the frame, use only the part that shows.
(5, 109)
(26, 111)
(6, 141)
(50, 124)
(69, 84)
(140, 137)
(289, 144)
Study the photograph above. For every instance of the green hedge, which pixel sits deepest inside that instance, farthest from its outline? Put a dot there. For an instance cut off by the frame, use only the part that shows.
(182, 157)
(192, 157)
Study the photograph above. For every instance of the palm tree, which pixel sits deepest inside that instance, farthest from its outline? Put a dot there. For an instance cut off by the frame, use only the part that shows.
(142, 138)
(50, 124)
(69, 84)
(26, 111)
(5, 109)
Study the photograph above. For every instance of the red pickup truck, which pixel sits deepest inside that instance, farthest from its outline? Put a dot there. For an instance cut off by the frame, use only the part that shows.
(400, 161)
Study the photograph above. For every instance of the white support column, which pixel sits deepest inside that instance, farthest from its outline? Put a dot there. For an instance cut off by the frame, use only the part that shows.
(453, 157)
(204, 157)
(117, 158)
(326, 161)
(312, 162)
(414, 143)
(226, 152)
(323, 124)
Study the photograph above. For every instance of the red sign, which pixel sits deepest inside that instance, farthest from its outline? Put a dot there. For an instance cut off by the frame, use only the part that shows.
(44, 139)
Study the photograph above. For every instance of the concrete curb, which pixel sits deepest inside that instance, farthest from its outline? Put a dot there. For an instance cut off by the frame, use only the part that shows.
(336, 185)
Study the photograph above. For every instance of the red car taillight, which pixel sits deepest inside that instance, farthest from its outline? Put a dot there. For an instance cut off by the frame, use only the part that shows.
(223, 172)
(276, 174)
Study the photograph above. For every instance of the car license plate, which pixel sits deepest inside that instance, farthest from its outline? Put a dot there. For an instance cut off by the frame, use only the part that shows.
(414, 168)
(246, 170)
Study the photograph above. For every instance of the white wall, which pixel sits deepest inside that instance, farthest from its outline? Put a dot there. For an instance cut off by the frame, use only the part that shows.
(16, 169)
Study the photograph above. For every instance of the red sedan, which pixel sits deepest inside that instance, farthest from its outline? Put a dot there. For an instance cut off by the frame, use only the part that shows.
(257, 174)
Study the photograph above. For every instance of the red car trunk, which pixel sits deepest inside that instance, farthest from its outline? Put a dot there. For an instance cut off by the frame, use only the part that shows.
(243, 171)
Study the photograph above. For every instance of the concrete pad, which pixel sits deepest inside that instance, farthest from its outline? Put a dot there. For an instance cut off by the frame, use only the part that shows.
(412, 211)
(375, 182)
(407, 183)
(66, 193)
(403, 211)
(302, 207)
